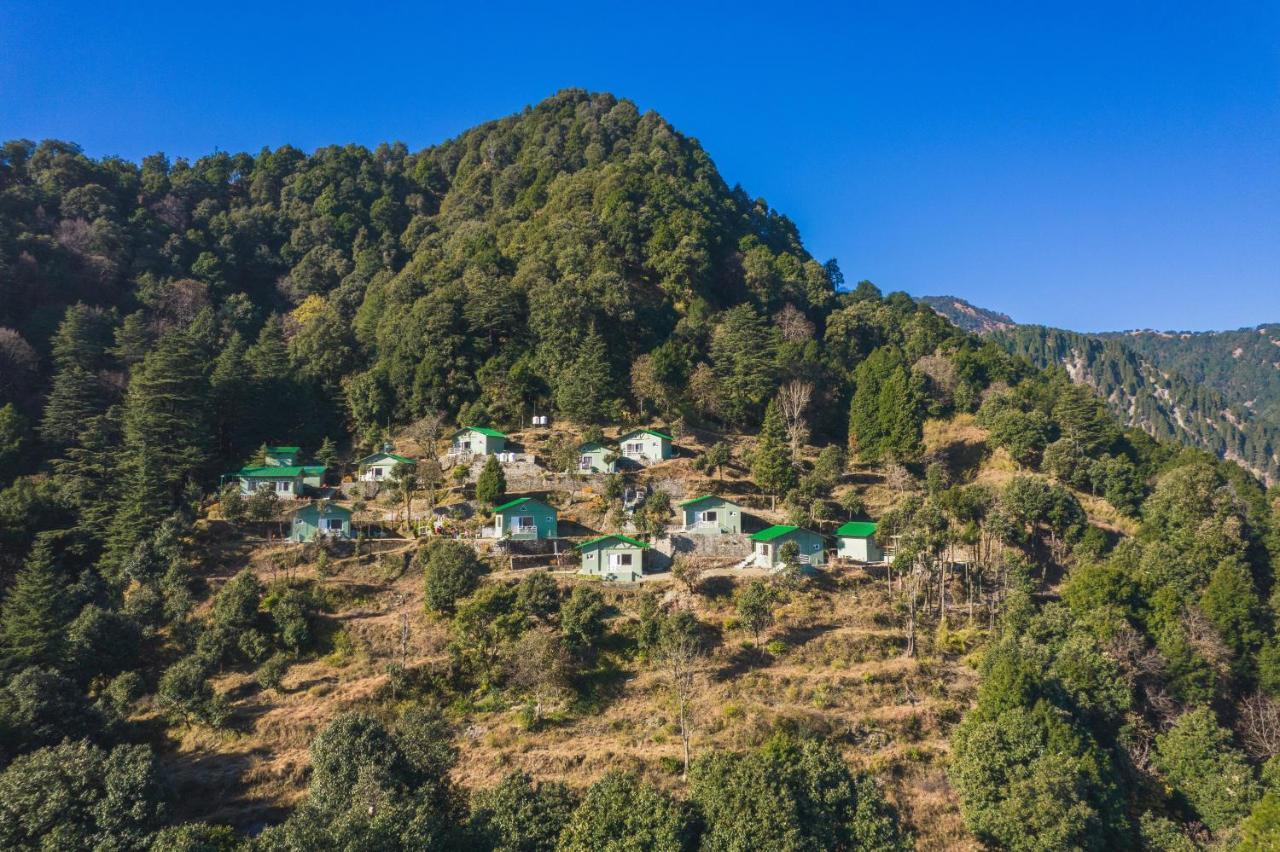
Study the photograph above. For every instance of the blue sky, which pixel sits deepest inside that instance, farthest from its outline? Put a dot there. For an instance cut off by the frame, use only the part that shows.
(1092, 166)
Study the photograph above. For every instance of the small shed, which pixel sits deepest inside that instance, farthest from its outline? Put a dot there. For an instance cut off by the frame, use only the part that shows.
(525, 519)
(645, 446)
(767, 543)
(324, 519)
(477, 441)
(313, 476)
(379, 466)
(286, 482)
(281, 456)
(596, 458)
(856, 540)
(711, 515)
(614, 558)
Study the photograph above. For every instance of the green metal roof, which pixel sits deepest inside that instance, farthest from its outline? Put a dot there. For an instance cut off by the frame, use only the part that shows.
(283, 450)
(857, 529)
(775, 531)
(702, 498)
(314, 468)
(520, 501)
(483, 430)
(654, 432)
(631, 541)
(592, 445)
(401, 459)
(269, 472)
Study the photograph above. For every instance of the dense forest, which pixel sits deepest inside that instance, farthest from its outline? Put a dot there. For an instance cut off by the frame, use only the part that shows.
(162, 321)
(1168, 405)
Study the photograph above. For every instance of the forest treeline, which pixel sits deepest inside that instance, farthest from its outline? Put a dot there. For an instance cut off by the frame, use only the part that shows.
(159, 321)
(1155, 395)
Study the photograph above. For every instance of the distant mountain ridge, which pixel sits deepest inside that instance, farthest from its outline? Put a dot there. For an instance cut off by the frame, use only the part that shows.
(968, 316)
(1219, 391)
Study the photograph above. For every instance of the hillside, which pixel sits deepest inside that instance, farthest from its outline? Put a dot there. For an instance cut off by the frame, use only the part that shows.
(968, 316)
(268, 423)
(1242, 365)
(1217, 391)
(1166, 405)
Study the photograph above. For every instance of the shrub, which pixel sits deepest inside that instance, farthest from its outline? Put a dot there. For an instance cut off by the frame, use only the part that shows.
(452, 571)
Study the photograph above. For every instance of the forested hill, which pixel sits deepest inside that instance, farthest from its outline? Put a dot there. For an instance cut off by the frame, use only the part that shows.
(1243, 365)
(1164, 404)
(482, 270)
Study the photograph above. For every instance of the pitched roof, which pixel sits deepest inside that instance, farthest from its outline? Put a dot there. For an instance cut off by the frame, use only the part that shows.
(269, 472)
(331, 508)
(619, 537)
(520, 501)
(704, 497)
(775, 531)
(310, 469)
(483, 430)
(401, 459)
(654, 432)
(283, 450)
(592, 445)
(857, 529)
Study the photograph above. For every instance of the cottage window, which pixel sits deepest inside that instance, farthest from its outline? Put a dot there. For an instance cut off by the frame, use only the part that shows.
(377, 473)
(619, 560)
(584, 462)
(635, 448)
(284, 486)
(333, 524)
(709, 516)
(525, 522)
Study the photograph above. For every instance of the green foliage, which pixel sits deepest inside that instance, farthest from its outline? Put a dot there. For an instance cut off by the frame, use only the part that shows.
(34, 614)
(538, 596)
(1206, 770)
(582, 619)
(885, 420)
(41, 707)
(520, 815)
(755, 608)
(186, 695)
(1261, 830)
(77, 796)
(791, 796)
(194, 837)
(771, 464)
(621, 814)
(451, 571)
(492, 483)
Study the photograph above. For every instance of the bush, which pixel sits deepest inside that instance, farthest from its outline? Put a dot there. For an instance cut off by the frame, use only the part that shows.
(186, 695)
(452, 571)
(620, 806)
(1199, 761)
(520, 815)
(271, 673)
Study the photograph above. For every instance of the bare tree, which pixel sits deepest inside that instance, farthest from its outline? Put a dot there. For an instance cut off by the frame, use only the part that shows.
(425, 431)
(1260, 725)
(680, 652)
(793, 401)
(793, 325)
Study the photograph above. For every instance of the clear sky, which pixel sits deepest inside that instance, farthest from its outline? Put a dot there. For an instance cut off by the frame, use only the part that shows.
(1089, 165)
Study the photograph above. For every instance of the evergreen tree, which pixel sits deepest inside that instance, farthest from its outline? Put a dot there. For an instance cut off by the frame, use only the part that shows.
(491, 484)
(33, 616)
(231, 394)
(584, 389)
(13, 435)
(771, 465)
(76, 396)
(742, 353)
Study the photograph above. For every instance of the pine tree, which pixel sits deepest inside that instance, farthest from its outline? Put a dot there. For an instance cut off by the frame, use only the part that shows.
(492, 482)
(32, 619)
(742, 351)
(584, 389)
(76, 396)
(231, 389)
(771, 463)
(328, 452)
(902, 426)
(132, 340)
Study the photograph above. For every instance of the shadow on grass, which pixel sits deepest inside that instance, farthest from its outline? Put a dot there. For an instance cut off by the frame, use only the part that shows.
(597, 688)
(742, 660)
